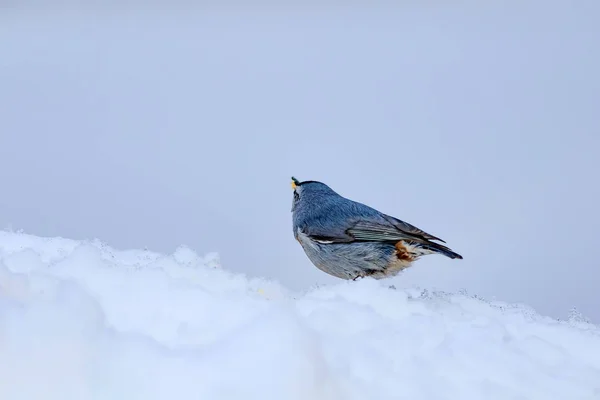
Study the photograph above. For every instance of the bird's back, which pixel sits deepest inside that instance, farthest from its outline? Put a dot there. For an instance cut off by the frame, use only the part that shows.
(330, 212)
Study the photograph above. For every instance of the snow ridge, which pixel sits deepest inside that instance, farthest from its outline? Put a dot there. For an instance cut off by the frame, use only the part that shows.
(81, 320)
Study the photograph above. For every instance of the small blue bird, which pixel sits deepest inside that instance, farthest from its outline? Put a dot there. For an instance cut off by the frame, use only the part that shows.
(350, 240)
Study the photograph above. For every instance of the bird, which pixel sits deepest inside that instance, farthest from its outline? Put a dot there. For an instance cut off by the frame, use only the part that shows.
(350, 240)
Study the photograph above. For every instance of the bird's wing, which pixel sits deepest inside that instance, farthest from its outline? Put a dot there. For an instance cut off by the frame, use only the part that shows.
(388, 229)
(351, 221)
(369, 230)
(326, 236)
(408, 228)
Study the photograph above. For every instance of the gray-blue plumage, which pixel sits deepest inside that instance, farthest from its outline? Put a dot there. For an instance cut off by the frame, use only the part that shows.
(348, 239)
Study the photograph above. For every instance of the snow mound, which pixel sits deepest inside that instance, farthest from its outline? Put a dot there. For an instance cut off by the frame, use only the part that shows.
(80, 320)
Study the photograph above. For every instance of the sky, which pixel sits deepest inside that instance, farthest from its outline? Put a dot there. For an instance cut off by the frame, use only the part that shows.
(154, 126)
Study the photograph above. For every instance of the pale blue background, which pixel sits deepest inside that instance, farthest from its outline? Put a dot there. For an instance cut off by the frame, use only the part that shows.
(160, 126)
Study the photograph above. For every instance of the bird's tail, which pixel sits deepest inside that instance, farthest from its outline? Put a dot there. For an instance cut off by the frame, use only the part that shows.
(432, 247)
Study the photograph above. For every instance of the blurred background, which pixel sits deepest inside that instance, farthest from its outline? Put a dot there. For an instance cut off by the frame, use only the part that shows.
(159, 124)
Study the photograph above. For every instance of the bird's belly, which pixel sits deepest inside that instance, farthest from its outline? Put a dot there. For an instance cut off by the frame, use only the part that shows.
(349, 260)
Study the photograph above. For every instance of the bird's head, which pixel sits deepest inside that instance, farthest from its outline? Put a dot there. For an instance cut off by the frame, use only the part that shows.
(309, 191)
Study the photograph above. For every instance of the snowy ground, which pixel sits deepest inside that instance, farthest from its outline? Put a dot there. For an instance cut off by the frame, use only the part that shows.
(79, 320)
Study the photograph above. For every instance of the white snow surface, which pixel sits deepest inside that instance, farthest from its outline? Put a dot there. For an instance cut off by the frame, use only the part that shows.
(80, 320)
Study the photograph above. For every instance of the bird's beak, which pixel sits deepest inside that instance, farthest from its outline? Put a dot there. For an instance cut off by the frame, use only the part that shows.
(295, 183)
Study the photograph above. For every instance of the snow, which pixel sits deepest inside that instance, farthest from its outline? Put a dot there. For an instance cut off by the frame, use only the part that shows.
(81, 320)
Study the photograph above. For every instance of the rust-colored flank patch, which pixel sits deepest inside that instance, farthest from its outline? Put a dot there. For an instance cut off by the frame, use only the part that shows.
(402, 252)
